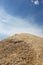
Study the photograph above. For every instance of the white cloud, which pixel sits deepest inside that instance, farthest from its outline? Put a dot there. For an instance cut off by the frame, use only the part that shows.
(10, 25)
(36, 2)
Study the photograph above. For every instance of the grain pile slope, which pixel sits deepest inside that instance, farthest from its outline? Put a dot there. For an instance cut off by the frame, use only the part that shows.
(22, 49)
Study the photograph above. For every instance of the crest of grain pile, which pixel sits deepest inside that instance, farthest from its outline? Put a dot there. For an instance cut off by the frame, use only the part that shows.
(21, 50)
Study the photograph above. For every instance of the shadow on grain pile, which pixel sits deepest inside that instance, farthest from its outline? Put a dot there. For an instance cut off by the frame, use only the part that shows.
(17, 53)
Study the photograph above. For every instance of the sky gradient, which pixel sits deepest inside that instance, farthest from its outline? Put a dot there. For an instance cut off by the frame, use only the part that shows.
(21, 16)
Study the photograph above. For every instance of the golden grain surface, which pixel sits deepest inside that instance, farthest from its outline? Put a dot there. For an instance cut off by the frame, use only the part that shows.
(21, 49)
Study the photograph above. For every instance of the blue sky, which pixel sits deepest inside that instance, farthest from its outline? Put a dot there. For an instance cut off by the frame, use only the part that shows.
(21, 16)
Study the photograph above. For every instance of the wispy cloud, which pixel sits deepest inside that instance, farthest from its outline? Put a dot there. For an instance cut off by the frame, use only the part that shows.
(10, 25)
(36, 2)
